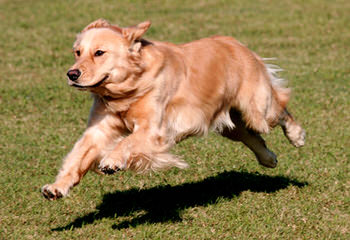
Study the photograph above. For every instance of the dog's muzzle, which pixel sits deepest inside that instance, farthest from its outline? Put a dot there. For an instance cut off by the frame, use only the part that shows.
(74, 84)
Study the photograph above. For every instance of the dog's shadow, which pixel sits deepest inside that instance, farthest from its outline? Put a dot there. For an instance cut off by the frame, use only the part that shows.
(165, 203)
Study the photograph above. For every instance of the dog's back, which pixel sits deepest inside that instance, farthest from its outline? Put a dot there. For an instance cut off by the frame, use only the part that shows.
(212, 75)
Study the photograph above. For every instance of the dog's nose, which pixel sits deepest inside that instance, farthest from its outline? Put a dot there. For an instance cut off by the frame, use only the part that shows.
(73, 74)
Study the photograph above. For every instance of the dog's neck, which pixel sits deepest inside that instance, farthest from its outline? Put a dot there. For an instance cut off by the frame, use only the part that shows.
(121, 102)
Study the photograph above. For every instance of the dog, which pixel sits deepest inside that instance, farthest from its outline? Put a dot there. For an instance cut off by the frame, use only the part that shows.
(149, 95)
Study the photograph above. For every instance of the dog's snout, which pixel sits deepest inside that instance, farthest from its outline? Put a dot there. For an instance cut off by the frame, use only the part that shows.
(73, 74)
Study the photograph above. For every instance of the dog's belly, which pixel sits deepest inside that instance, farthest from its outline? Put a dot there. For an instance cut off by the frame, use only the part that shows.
(185, 121)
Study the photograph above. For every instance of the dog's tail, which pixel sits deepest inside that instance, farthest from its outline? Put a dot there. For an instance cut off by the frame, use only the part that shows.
(278, 84)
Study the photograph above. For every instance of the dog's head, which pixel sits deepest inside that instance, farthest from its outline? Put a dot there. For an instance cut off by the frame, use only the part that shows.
(105, 54)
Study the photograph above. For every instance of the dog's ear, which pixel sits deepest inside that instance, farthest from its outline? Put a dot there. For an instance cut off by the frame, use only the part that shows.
(99, 23)
(135, 32)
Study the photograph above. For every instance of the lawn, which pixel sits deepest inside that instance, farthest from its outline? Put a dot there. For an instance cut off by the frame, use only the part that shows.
(225, 193)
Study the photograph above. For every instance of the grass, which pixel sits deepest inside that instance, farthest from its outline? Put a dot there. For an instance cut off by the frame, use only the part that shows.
(224, 194)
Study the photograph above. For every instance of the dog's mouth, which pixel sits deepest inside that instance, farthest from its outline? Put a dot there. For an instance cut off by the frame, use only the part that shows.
(99, 83)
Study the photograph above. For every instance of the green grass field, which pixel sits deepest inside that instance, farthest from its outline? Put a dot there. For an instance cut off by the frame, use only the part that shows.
(224, 194)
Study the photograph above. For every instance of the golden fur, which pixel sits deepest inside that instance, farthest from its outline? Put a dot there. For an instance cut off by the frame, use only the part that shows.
(148, 95)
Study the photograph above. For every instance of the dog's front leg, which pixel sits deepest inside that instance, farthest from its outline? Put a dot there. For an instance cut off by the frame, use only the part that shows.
(103, 130)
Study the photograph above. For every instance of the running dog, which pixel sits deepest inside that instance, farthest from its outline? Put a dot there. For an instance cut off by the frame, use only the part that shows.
(149, 95)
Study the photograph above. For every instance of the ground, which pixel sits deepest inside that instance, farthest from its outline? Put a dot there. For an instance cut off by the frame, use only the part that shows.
(224, 194)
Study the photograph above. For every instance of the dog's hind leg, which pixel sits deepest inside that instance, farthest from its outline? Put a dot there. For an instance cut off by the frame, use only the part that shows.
(292, 130)
(251, 139)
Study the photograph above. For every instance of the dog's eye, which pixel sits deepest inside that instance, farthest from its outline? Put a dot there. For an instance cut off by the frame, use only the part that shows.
(99, 53)
(77, 53)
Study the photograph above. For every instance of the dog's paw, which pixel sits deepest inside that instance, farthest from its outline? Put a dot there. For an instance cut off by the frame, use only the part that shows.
(299, 139)
(109, 170)
(296, 135)
(268, 160)
(51, 193)
(107, 166)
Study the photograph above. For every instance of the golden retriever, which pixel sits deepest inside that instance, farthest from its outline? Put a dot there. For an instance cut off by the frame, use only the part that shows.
(148, 95)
